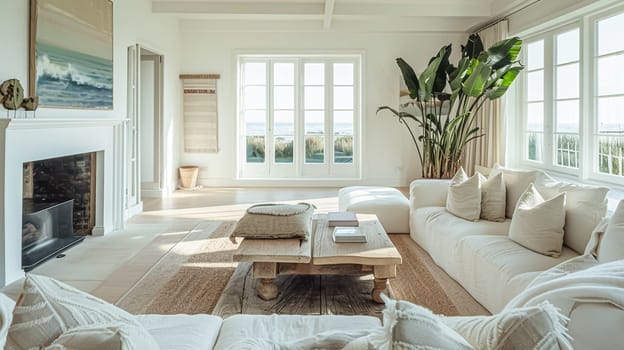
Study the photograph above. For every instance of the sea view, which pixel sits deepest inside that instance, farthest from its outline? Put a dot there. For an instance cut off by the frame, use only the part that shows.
(71, 79)
(288, 129)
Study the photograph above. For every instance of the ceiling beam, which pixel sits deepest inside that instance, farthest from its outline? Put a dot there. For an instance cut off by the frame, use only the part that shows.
(233, 8)
(329, 13)
(463, 9)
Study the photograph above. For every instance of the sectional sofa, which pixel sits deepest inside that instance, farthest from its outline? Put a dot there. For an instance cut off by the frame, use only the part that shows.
(494, 269)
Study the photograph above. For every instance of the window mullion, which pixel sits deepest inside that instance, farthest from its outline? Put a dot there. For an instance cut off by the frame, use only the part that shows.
(549, 98)
(588, 84)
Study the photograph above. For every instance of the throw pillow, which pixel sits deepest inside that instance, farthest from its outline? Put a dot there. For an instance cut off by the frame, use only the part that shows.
(493, 199)
(114, 336)
(537, 224)
(409, 327)
(516, 182)
(47, 308)
(585, 207)
(612, 244)
(536, 327)
(464, 196)
(271, 221)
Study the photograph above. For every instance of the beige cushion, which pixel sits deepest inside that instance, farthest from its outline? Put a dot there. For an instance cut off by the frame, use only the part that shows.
(537, 224)
(493, 198)
(612, 244)
(464, 196)
(48, 308)
(494, 269)
(6, 317)
(271, 221)
(389, 204)
(409, 326)
(114, 336)
(516, 182)
(538, 327)
(585, 207)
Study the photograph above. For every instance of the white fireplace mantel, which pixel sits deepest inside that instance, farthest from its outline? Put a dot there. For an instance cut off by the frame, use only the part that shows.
(25, 140)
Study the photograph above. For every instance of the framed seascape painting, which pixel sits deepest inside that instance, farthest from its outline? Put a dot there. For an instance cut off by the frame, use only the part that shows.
(71, 53)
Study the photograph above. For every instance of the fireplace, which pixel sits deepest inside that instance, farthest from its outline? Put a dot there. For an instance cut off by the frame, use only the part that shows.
(58, 206)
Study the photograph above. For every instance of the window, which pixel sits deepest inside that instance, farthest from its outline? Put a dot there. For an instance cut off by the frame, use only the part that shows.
(573, 99)
(609, 99)
(299, 116)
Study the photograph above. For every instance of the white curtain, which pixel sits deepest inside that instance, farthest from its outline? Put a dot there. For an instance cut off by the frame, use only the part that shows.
(489, 149)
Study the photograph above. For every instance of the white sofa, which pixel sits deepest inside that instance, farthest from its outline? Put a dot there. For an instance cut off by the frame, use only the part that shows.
(207, 332)
(493, 268)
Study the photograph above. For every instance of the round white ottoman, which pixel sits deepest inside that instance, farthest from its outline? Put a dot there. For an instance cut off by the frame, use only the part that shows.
(389, 204)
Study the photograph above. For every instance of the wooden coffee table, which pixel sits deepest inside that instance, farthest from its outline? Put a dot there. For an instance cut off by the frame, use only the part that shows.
(320, 255)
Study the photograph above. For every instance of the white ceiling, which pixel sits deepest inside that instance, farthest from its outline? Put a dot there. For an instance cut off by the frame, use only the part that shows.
(410, 16)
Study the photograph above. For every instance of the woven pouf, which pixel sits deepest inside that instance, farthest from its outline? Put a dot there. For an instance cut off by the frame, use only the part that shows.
(389, 204)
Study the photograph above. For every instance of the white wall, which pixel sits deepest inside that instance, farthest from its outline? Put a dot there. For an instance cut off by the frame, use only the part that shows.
(389, 157)
(133, 23)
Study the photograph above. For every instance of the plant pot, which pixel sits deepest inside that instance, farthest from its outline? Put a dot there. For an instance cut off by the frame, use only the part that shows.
(188, 176)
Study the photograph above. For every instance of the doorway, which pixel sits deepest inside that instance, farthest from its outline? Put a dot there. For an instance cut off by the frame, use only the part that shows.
(144, 135)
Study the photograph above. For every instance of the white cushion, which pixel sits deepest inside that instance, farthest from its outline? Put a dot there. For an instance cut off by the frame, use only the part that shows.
(438, 232)
(48, 308)
(389, 204)
(409, 326)
(493, 198)
(6, 317)
(286, 328)
(585, 207)
(612, 244)
(464, 196)
(537, 224)
(114, 336)
(516, 182)
(179, 332)
(491, 266)
(536, 327)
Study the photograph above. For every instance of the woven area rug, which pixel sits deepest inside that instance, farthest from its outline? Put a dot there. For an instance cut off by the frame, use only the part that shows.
(198, 276)
(190, 277)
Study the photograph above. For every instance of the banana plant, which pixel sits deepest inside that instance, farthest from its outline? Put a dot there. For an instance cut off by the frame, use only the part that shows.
(448, 99)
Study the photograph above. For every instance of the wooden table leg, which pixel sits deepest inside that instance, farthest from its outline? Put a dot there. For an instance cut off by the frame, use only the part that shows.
(382, 273)
(380, 286)
(265, 272)
(266, 289)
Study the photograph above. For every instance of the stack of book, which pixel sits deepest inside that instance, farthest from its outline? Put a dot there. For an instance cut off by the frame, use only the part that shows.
(349, 235)
(342, 218)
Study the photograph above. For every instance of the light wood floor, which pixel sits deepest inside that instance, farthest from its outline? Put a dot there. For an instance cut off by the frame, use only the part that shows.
(88, 264)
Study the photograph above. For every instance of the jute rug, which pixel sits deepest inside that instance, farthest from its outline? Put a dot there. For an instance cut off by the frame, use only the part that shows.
(198, 276)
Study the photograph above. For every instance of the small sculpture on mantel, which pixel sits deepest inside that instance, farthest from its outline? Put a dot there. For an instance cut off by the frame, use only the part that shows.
(12, 97)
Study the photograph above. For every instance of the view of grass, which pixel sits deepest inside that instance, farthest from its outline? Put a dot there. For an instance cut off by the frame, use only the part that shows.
(610, 152)
(255, 149)
(343, 149)
(568, 150)
(611, 155)
(314, 149)
(283, 149)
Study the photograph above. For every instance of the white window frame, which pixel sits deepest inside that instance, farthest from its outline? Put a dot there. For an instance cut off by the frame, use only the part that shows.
(549, 134)
(588, 126)
(299, 169)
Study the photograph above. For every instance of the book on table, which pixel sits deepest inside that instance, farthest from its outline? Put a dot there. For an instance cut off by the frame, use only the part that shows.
(342, 218)
(349, 235)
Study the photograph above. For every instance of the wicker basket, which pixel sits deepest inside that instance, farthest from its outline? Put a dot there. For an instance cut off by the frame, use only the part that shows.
(188, 176)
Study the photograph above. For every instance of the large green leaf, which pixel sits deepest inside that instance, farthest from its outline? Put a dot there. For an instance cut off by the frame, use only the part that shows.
(427, 79)
(475, 84)
(440, 78)
(474, 46)
(501, 86)
(504, 52)
(409, 76)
